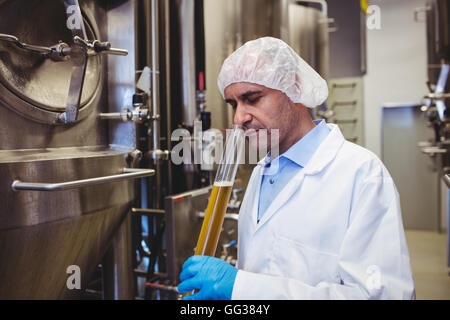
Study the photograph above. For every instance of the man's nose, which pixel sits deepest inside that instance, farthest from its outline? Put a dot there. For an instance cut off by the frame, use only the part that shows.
(241, 116)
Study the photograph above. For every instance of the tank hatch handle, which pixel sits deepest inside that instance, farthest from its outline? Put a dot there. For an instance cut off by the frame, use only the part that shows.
(79, 53)
(126, 174)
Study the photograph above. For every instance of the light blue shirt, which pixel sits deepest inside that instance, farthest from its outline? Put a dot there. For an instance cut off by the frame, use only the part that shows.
(289, 164)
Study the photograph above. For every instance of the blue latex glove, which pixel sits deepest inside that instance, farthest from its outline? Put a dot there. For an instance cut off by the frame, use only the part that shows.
(212, 276)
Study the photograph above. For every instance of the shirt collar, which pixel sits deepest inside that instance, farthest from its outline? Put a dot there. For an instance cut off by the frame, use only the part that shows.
(303, 150)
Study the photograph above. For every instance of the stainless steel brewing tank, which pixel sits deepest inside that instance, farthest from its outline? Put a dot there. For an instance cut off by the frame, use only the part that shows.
(42, 233)
(304, 28)
(309, 37)
(229, 24)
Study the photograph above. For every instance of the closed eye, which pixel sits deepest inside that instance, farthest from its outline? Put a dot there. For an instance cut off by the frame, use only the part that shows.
(253, 101)
(232, 103)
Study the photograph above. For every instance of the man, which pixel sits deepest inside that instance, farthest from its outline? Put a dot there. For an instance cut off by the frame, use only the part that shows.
(327, 223)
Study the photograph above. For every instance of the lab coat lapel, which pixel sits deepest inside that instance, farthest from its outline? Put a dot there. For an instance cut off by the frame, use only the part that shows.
(282, 197)
(255, 200)
(249, 209)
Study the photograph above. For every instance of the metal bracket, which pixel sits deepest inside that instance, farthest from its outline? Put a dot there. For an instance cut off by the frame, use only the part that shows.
(227, 216)
(78, 54)
(419, 10)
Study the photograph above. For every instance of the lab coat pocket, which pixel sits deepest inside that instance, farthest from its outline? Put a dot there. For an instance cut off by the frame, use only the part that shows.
(293, 259)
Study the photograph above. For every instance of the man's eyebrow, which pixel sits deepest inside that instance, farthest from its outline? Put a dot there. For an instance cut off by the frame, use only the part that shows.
(243, 96)
(249, 93)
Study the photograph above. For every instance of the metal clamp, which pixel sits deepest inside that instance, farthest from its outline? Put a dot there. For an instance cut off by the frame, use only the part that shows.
(437, 96)
(126, 174)
(99, 47)
(158, 154)
(227, 216)
(330, 21)
(419, 10)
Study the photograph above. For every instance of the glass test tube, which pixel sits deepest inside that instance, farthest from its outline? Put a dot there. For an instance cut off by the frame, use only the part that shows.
(220, 194)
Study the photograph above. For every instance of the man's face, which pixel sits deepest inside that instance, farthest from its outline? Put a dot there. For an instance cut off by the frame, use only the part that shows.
(258, 107)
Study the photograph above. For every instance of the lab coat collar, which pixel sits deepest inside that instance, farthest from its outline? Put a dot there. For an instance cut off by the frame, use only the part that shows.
(324, 154)
(303, 150)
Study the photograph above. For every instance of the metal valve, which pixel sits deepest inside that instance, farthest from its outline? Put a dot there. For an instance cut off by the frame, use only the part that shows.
(139, 113)
(136, 115)
(96, 46)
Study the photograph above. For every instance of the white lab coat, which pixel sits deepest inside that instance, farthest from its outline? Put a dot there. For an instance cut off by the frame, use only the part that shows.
(334, 232)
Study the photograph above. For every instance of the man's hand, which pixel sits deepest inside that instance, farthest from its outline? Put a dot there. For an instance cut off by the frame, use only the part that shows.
(212, 276)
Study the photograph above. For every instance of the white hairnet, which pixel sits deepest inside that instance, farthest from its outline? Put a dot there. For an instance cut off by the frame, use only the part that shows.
(274, 64)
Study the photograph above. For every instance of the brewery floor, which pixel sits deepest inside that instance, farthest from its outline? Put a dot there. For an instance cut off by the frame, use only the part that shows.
(429, 263)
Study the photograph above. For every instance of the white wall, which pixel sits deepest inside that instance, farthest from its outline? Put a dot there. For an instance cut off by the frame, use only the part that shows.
(396, 63)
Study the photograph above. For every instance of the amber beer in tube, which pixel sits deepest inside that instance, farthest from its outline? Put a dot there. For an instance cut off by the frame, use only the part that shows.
(220, 195)
(214, 216)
